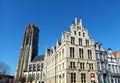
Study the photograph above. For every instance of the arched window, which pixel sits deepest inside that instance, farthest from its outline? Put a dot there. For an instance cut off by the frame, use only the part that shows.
(34, 76)
(38, 76)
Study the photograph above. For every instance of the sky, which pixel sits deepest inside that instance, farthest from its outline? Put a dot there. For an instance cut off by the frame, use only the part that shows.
(100, 17)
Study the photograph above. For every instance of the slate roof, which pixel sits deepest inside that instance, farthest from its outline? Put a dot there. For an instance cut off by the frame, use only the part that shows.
(38, 58)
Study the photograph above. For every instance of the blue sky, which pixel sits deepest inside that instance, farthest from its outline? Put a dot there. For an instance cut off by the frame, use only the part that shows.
(100, 17)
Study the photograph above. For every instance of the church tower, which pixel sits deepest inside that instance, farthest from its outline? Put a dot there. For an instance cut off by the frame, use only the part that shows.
(28, 51)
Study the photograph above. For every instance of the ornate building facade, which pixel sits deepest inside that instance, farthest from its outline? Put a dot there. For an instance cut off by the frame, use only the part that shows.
(72, 59)
(101, 57)
(108, 65)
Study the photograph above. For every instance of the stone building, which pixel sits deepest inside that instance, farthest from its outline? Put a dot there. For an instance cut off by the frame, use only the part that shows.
(29, 64)
(101, 57)
(115, 75)
(108, 65)
(113, 68)
(72, 59)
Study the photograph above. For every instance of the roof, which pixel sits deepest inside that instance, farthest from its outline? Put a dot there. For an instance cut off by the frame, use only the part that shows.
(38, 58)
(115, 54)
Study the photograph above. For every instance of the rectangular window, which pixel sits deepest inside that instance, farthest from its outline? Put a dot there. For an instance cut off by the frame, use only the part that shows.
(59, 56)
(116, 68)
(109, 67)
(82, 66)
(103, 66)
(72, 40)
(101, 56)
(83, 34)
(38, 76)
(89, 54)
(78, 27)
(62, 53)
(74, 32)
(72, 52)
(83, 78)
(34, 67)
(97, 56)
(113, 70)
(63, 78)
(81, 53)
(80, 41)
(99, 66)
(87, 42)
(33, 76)
(91, 66)
(30, 68)
(72, 65)
(73, 77)
(79, 34)
(38, 67)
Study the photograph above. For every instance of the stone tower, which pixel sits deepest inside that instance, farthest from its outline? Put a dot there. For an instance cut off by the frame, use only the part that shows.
(28, 51)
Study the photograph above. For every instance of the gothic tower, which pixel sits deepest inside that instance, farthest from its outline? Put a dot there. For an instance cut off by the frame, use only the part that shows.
(28, 51)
